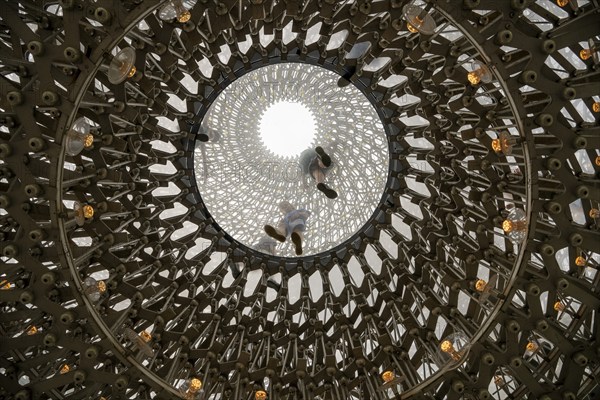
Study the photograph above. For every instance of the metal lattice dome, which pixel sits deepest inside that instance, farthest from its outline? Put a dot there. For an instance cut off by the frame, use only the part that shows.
(460, 260)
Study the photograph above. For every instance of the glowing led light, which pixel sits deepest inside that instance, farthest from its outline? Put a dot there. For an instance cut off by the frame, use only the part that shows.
(176, 9)
(515, 225)
(65, 368)
(260, 395)
(480, 73)
(93, 288)
(78, 137)
(417, 20)
(594, 213)
(456, 346)
(562, 3)
(558, 306)
(32, 331)
(504, 143)
(388, 376)
(122, 66)
(580, 261)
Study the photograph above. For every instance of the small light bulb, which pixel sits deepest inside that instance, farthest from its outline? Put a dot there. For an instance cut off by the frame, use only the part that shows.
(498, 380)
(562, 3)
(88, 211)
(585, 54)
(93, 288)
(504, 143)
(558, 306)
(260, 395)
(411, 28)
(447, 347)
(132, 71)
(480, 73)
(596, 106)
(78, 137)
(146, 336)
(65, 368)
(388, 376)
(580, 261)
(32, 331)
(184, 16)
(594, 213)
(474, 77)
(417, 20)
(531, 347)
(480, 285)
(122, 66)
(515, 225)
(5, 285)
(597, 161)
(195, 385)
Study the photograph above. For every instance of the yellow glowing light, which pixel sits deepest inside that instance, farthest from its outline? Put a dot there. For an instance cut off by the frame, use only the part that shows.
(562, 3)
(507, 226)
(388, 376)
(414, 27)
(260, 395)
(496, 145)
(146, 337)
(88, 211)
(596, 106)
(132, 71)
(65, 368)
(5, 285)
(594, 213)
(447, 347)
(101, 287)
(597, 161)
(195, 385)
(531, 346)
(474, 77)
(32, 331)
(480, 285)
(88, 141)
(558, 306)
(585, 54)
(580, 261)
(184, 17)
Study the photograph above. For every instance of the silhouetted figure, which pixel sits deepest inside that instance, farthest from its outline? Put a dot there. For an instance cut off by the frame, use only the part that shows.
(292, 225)
(316, 163)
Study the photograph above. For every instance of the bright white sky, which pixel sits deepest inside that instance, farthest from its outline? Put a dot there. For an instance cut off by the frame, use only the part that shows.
(287, 128)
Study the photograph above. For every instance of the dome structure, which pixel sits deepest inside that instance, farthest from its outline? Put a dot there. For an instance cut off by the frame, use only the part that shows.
(459, 261)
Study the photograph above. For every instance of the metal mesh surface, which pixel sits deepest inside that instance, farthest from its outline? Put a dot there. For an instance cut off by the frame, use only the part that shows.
(474, 277)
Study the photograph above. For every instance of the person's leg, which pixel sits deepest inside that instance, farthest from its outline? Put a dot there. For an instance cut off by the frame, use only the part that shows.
(297, 238)
(276, 233)
(323, 157)
(319, 176)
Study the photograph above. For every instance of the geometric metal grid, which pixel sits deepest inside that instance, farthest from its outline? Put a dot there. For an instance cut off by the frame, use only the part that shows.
(163, 307)
(242, 182)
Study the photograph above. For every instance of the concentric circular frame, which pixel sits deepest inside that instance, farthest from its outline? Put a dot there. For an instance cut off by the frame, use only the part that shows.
(537, 338)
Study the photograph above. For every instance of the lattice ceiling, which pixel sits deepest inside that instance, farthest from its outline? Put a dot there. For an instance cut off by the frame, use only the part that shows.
(473, 275)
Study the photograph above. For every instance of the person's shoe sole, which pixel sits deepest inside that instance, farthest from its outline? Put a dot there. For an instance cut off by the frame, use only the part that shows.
(272, 232)
(297, 240)
(330, 193)
(323, 156)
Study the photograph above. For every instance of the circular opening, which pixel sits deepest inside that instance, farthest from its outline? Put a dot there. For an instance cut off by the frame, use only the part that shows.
(287, 128)
(290, 151)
